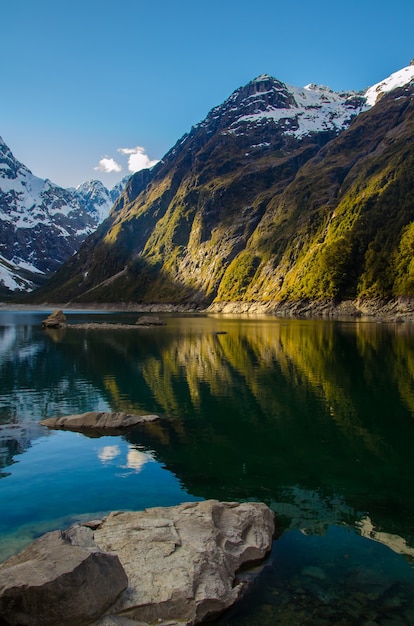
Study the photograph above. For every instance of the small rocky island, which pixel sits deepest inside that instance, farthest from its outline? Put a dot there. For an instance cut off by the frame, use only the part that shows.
(57, 320)
(98, 422)
(177, 565)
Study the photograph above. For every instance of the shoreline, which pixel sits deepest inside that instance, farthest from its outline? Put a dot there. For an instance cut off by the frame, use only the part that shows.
(110, 307)
(399, 310)
(396, 310)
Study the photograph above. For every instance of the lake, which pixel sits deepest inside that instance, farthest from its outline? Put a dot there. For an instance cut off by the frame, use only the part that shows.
(314, 418)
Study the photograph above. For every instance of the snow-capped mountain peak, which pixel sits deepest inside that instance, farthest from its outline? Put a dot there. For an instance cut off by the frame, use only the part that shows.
(295, 111)
(397, 79)
(42, 224)
(95, 198)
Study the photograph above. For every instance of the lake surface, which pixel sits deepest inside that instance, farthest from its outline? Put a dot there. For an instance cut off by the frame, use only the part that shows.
(314, 418)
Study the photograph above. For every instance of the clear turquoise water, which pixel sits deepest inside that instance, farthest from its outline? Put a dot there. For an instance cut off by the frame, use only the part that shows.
(314, 418)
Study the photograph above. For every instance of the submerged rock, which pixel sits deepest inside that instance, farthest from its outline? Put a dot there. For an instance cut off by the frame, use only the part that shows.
(313, 572)
(54, 581)
(181, 564)
(57, 319)
(95, 421)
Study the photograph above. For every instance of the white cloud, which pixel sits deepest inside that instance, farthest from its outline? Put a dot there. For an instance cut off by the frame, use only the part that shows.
(137, 158)
(108, 165)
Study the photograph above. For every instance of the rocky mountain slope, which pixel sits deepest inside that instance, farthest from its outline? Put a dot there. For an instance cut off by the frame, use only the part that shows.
(41, 224)
(280, 194)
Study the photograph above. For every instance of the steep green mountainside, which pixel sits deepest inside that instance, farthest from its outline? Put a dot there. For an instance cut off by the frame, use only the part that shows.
(344, 228)
(249, 207)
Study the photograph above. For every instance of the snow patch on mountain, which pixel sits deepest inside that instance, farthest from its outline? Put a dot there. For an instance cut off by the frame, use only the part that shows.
(10, 278)
(297, 111)
(307, 110)
(290, 111)
(397, 79)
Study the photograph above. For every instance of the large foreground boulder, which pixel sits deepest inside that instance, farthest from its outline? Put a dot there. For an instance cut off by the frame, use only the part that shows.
(98, 422)
(182, 562)
(182, 565)
(56, 582)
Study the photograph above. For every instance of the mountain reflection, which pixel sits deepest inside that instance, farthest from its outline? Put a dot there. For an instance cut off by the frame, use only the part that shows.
(272, 405)
(314, 418)
(36, 380)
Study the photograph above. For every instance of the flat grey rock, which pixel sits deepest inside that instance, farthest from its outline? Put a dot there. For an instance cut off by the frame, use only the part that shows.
(100, 422)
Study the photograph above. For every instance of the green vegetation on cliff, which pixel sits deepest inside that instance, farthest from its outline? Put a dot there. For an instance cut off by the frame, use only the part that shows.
(315, 218)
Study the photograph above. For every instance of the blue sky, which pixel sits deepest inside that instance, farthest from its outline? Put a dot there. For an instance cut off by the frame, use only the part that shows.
(81, 79)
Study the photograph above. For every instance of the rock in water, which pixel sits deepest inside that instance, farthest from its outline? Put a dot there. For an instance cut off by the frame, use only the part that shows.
(57, 319)
(98, 422)
(54, 581)
(150, 320)
(182, 561)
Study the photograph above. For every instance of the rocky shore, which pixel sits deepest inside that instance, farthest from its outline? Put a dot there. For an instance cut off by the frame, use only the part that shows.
(396, 310)
(175, 565)
(399, 309)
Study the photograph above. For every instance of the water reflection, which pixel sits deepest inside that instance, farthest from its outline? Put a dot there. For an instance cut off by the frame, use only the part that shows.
(135, 458)
(66, 477)
(107, 453)
(314, 418)
(394, 542)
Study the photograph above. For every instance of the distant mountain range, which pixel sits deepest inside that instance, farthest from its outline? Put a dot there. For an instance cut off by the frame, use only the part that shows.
(41, 224)
(96, 199)
(280, 194)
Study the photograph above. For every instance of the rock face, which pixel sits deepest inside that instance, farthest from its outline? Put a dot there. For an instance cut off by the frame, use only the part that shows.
(57, 319)
(98, 421)
(54, 581)
(182, 561)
